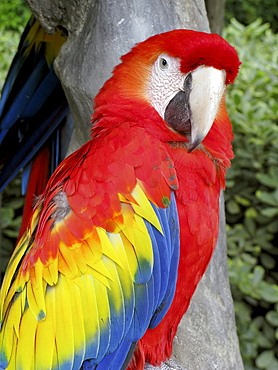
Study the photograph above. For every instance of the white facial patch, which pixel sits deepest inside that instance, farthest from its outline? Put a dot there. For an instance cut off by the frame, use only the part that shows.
(165, 82)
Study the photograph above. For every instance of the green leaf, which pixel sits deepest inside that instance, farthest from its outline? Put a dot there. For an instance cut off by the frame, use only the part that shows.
(270, 212)
(15, 203)
(237, 98)
(266, 197)
(251, 212)
(269, 293)
(272, 318)
(258, 275)
(11, 233)
(233, 207)
(267, 261)
(265, 359)
(6, 215)
(267, 180)
(242, 200)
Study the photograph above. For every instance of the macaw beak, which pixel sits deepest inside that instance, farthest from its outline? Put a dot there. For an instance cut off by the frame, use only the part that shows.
(192, 111)
(207, 88)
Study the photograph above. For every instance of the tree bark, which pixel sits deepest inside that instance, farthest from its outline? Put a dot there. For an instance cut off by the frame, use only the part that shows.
(216, 14)
(99, 32)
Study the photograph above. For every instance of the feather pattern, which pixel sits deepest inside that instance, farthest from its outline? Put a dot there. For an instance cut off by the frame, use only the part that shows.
(33, 109)
(91, 267)
(124, 230)
(33, 103)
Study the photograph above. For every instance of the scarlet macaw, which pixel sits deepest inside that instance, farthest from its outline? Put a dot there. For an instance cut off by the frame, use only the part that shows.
(126, 227)
(33, 110)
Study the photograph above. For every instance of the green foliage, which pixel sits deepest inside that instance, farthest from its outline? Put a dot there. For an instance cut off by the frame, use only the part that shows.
(8, 48)
(248, 11)
(14, 15)
(252, 193)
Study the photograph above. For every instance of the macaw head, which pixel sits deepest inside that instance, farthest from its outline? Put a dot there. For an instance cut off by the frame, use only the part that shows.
(182, 74)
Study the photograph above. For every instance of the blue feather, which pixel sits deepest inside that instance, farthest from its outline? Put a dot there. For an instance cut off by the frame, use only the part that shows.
(152, 299)
(33, 105)
(173, 229)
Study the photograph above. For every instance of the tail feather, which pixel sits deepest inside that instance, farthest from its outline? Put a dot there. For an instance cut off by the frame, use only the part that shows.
(33, 108)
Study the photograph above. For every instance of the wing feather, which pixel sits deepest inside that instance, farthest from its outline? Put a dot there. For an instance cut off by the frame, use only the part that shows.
(77, 324)
(28, 328)
(90, 321)
(8, 344)
(64, 334)
(103, 310)
(116, 301)
(44, 341)
(125, 278)
(88, 291)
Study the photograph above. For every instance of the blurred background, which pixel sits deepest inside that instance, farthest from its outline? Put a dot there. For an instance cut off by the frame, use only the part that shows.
(251, 26)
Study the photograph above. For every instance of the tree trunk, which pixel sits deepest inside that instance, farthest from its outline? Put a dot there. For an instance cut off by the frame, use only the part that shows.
(216, 13)
(99, 32)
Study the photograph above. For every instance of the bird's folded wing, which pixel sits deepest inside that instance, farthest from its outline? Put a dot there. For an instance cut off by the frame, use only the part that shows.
(81, 287)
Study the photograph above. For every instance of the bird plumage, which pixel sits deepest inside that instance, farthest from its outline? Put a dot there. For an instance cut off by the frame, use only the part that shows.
(127, 224)
(33, 109)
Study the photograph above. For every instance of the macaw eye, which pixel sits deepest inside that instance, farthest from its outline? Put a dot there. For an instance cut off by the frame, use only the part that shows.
(163, 64)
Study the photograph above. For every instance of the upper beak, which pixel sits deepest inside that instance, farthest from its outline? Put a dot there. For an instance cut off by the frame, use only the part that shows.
(207, 88)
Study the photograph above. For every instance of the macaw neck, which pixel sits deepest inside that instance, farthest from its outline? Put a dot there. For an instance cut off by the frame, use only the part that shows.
(138, 113)
(111, 113)
(218, 140)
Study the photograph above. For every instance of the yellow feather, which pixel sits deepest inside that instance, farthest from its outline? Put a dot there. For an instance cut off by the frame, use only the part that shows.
(90, 316)
(115, 285)
(127, 198)
(36, 297)
(55, 357)
(67, 264)
(7, 293)
(64, 330)
(143, 207)
(130, 262)
(140, 255)
(26, 344)
(136, 232)
(107, 247)
(16, 311)
(129, 222)
(37, 35)
(34, 219)
(88, 255)
(80, 259)
(129, 265)
(99, 276)
(8, 340)
(12, 363)
(77, 317)
(50, 272)
(10, 272)
(45, 343)
(93, 243)
(102, 304)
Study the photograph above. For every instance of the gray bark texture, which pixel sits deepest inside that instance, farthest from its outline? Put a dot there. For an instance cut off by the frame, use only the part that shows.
(99, 32)
(216, 12)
